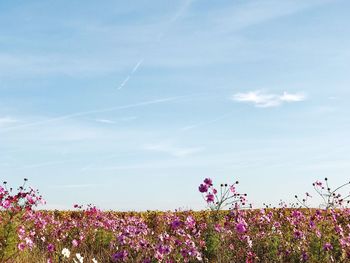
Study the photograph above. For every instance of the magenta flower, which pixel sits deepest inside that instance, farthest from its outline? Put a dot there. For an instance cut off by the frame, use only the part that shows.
(208, 181)
(190, 222)
(210, 198)
(327, 247)
(203, 188)
(298, 234)
(176, 224)
(305, 256)
(50, 247)
(21, 246)
(121, 255)
(6, 204)
(241, 227)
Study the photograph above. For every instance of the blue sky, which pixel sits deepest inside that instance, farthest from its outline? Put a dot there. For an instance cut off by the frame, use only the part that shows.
(130, 104)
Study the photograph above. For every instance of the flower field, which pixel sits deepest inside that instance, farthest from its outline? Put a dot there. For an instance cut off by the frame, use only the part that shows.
(239, 234)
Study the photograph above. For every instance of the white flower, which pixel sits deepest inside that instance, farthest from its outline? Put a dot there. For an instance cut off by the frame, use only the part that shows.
(94, 260)
(79, 257)
(250, 243)
(66, 252)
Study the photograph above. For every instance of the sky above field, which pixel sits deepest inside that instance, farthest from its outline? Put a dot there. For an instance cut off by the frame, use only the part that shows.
(130, 104)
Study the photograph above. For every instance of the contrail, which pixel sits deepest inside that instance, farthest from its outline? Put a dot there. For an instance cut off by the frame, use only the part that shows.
(124, 82)
(137, 66)
(133, 71)
(177, 15)
(84, 113)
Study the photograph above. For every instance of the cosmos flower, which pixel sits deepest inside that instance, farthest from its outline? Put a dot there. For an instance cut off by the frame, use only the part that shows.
(203, 188)
(208, 181)
(210, 198)
(66, 252)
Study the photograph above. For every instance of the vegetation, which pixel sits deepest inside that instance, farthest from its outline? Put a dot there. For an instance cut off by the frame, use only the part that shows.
(239, 234)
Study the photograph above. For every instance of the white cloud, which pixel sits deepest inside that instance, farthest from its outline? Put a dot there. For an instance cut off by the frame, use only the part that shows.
(288, 97)
(173, 150)
(264, 100)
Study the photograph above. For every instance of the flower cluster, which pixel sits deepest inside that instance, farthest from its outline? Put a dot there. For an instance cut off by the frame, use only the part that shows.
(330, 198)
(19, 201)
(13, 207)
(226, 196)
(126, 238)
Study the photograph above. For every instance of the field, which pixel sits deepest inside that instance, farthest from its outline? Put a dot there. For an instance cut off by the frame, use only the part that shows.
(88, 234)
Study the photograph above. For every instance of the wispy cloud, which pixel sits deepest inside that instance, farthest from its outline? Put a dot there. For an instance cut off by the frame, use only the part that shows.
(128, 118)
(5, 121)
(250, 13)
(114, 121)
(203, 123)
(173, 150)
(105, 121)
(265, 100)
(85, 113)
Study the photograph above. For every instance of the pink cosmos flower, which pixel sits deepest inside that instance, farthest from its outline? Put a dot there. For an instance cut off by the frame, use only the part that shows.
(298, 234)
(208, 181)
(121, 255)
(241, 227)
(21, 246)
(210, 198)
(203, 188)
(305, 256)
(29, 242)
(6, 204)
(176, 224)
(327, 247)
(190, 222)
(74, 243)
(50, 247)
